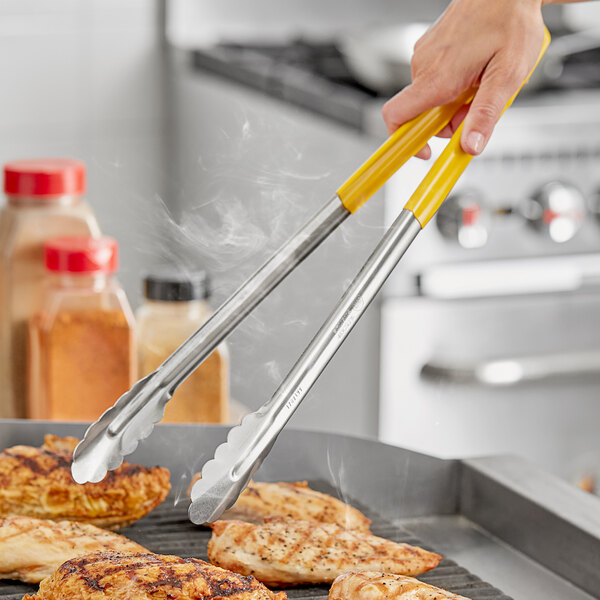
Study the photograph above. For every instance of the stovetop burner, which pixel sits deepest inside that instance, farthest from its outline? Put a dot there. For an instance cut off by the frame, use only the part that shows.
(315, 75)
(312, 75)
(322, 59)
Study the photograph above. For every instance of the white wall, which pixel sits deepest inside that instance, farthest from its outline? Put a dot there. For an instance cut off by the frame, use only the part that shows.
(84, 79)
(200, 22)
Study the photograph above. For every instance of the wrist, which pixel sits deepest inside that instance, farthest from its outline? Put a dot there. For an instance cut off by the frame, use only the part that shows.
(533, 3)
(538, 3)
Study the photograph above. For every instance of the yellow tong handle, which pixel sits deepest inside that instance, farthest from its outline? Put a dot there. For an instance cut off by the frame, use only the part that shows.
(406, 142)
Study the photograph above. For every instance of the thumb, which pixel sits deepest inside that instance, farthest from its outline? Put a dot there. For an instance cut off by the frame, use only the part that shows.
(499, 82)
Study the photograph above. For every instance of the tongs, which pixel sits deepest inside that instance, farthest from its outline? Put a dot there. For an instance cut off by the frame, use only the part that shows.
(119, 430)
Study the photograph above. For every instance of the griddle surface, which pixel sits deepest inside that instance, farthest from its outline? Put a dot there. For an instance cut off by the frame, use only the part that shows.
(167, 530)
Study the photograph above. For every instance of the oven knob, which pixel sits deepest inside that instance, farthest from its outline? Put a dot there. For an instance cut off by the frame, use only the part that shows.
(558, 209)
(594, 203)
(463, 218)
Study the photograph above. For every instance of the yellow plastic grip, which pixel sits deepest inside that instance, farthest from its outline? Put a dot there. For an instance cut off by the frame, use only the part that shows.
(405, 142)
(446, 170)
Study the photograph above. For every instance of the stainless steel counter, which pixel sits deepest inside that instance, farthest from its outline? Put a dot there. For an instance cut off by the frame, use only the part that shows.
(493, 560)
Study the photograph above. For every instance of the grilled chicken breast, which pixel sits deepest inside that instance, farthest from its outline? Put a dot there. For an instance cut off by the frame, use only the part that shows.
(371, 585)
(147, 577)
(297, 552)
(292, 500)
(54, 443)
(37, 482)
(31, 549)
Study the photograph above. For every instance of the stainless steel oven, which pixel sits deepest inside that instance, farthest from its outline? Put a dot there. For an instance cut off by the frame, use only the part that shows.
(491, 326)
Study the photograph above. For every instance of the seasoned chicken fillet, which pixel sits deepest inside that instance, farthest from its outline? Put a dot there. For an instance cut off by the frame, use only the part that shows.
(371, 585)
(31, 549)
(294, 500)
(297, 552)
(147, 577)
(37, 482)
(54, 443)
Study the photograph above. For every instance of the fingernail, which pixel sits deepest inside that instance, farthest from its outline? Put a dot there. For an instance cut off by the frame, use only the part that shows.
(475, 142)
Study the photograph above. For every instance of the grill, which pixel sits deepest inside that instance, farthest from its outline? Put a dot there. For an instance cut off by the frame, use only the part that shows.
(168, 530)
(499, 518)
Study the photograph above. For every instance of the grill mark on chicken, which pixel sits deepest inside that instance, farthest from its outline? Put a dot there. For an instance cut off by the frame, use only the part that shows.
(168, 577)
(146, 576)
(282, 552)
(295, 548)
(128, 470)
(226, 589)
(35, 466)
(164, 581)
(94, 584)
(63, 461)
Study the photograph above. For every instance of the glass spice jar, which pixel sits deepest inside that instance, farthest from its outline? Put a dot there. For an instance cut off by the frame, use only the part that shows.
(44, 200)
(176, 306)
(81, 336)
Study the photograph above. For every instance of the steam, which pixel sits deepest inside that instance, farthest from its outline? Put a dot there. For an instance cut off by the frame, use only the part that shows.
(229, 211)
(338, 476)
(273, 370)
(196, 241)
(235, 209)
(340, 465)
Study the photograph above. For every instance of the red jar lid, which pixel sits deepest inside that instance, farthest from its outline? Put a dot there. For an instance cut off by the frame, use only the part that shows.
(44, 177)
(82, 255)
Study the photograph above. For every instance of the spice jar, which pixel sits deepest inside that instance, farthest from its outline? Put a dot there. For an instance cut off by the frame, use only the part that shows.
(44, 200)
(176, 305)
(81, 342)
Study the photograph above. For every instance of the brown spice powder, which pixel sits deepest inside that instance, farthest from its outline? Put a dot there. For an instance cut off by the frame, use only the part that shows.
(202, 397)
(80, 364)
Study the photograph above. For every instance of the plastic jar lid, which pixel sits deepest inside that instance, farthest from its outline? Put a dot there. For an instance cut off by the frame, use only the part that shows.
(171, 284)
(82, 255)
(44, 177)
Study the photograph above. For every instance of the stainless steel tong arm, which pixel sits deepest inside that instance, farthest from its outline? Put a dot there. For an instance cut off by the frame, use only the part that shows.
(336, 328)
(235, 461)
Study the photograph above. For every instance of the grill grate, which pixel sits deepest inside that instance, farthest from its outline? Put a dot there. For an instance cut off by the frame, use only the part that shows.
(167, 530)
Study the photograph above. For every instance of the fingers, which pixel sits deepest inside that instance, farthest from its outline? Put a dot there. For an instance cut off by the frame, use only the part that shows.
(419, 96)
(457, 119)
(410, 102)
(499, 82)
(424, 153)
(446, 132)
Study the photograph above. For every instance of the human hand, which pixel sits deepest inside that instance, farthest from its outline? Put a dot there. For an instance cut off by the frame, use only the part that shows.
(490, 44)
